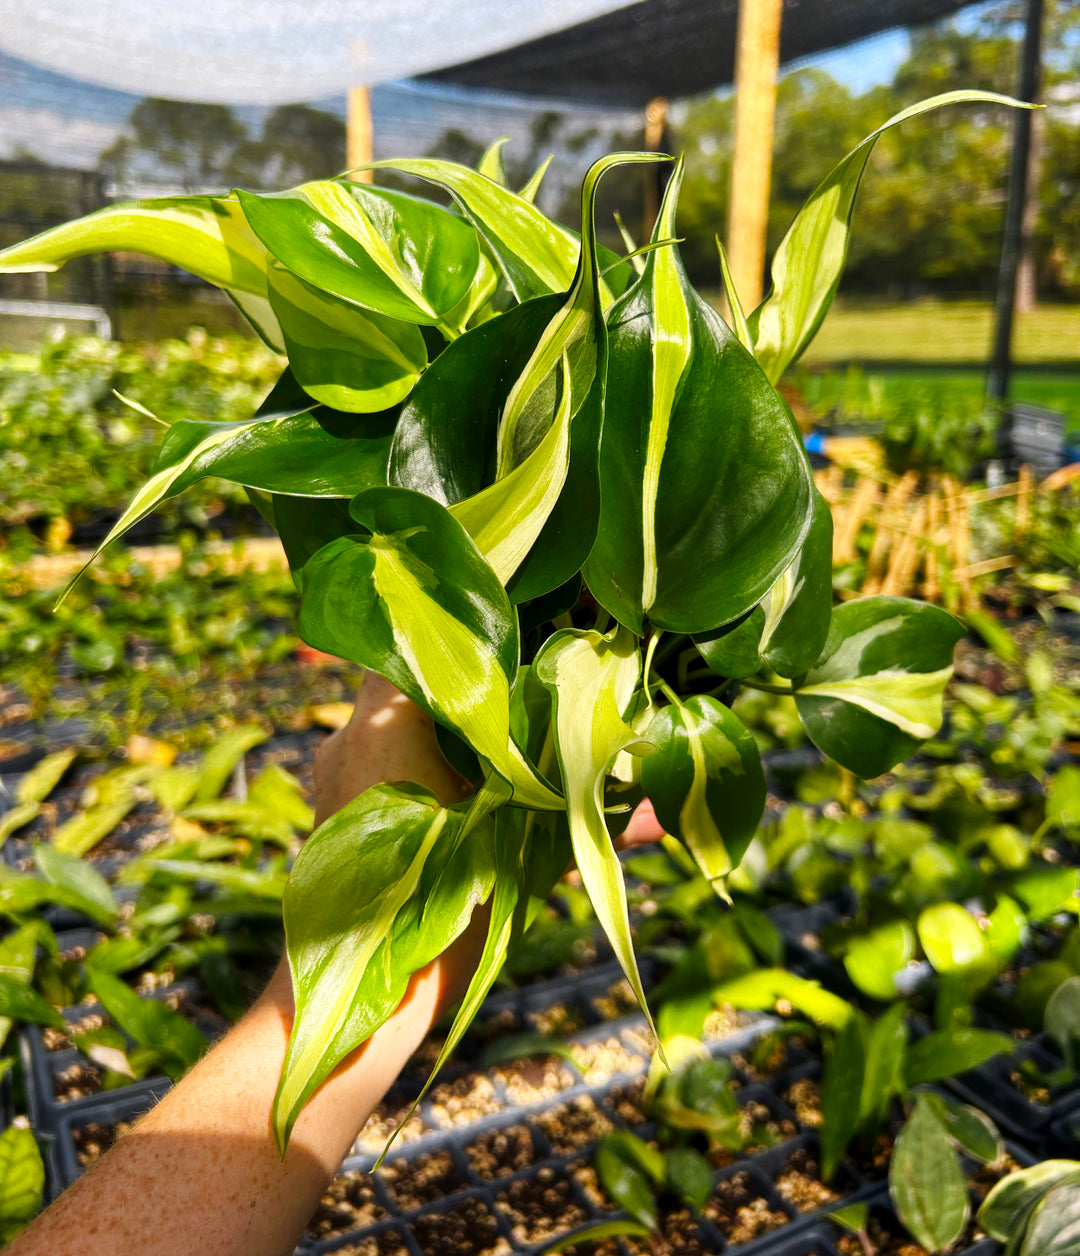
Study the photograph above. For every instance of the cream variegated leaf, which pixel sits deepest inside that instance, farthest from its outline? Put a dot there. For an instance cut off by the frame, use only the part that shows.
(705, 782)
(807, 266)
(876, 692)
(592, 678)
(408, 593)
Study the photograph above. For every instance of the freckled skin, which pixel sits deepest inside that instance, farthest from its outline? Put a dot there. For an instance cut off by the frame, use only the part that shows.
(199, 1175)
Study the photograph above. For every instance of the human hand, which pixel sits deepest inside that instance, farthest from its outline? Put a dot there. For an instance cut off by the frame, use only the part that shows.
(389, 738)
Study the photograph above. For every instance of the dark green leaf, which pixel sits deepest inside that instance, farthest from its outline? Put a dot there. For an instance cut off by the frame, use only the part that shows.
(628, 1169)
(690, 1176)
(926, 1182)
(705, 488)
(705, 781)
(788, 628)
(972, 1131)
(845, 1069)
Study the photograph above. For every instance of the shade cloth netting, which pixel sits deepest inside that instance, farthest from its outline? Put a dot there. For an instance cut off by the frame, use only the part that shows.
(276, 51)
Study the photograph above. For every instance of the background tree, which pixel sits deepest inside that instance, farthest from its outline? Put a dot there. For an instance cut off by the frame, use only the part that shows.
(178, 140)
(298, 143)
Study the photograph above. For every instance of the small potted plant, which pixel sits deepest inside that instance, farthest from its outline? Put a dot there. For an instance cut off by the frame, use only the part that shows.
(553, 497)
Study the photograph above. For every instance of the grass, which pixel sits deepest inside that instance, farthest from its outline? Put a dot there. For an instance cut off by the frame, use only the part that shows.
(945, 332)
(932, 355)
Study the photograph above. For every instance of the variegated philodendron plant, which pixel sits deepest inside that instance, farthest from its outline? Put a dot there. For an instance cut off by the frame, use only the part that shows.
(553, 497)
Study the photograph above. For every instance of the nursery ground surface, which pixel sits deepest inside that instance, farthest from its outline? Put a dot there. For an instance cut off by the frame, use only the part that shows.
(499, 1156)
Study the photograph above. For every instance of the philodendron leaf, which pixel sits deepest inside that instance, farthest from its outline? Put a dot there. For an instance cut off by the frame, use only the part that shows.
(876, 692)
(1062, 1020)
(807, 266)
(592, 678)
(926, 1182)
(971, 1130)
(407, 596)
(393, 254)
(538, 401)
(705, 781)
(1054, 1226)
(536, 255)
(315, 453)
(206, 235)
(1018, 1193)
(361, 917)
(845, 1068)
(705, 489)
(947, 1052)
(788, 628)
(874, 959)
(345, 357)
(22, 1180)
(629, 1169)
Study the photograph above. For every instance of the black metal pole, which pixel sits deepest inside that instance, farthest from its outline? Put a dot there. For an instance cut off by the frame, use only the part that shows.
(997, 383)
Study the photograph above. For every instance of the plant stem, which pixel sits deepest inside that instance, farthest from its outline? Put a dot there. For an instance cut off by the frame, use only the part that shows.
(767, 688)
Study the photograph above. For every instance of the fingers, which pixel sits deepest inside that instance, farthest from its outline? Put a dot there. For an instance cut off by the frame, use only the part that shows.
(644, 827)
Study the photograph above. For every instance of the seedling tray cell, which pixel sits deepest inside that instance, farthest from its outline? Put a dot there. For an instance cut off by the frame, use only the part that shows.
(63, 1080)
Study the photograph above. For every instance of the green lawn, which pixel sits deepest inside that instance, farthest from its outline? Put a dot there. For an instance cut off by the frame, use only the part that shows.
(938, 331)
(931, 356)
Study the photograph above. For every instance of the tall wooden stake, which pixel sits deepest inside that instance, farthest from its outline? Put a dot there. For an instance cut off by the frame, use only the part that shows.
(655, 121)
(757, 57)
(358, 135)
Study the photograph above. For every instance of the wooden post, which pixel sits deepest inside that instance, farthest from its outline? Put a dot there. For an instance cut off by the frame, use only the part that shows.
(655, 121)
(358, 136)
(757, 57)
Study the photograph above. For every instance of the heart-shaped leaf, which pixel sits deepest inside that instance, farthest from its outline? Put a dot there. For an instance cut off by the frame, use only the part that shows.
(347, 358)
(393, 254)
(876, 692)
(407, 596)
(704, 485)
(788, 628)
(705, 781)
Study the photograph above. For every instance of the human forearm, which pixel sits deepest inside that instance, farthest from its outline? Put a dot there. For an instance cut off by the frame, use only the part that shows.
(200, 1173)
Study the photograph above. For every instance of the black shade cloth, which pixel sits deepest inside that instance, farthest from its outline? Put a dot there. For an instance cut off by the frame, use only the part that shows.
(673, 48)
